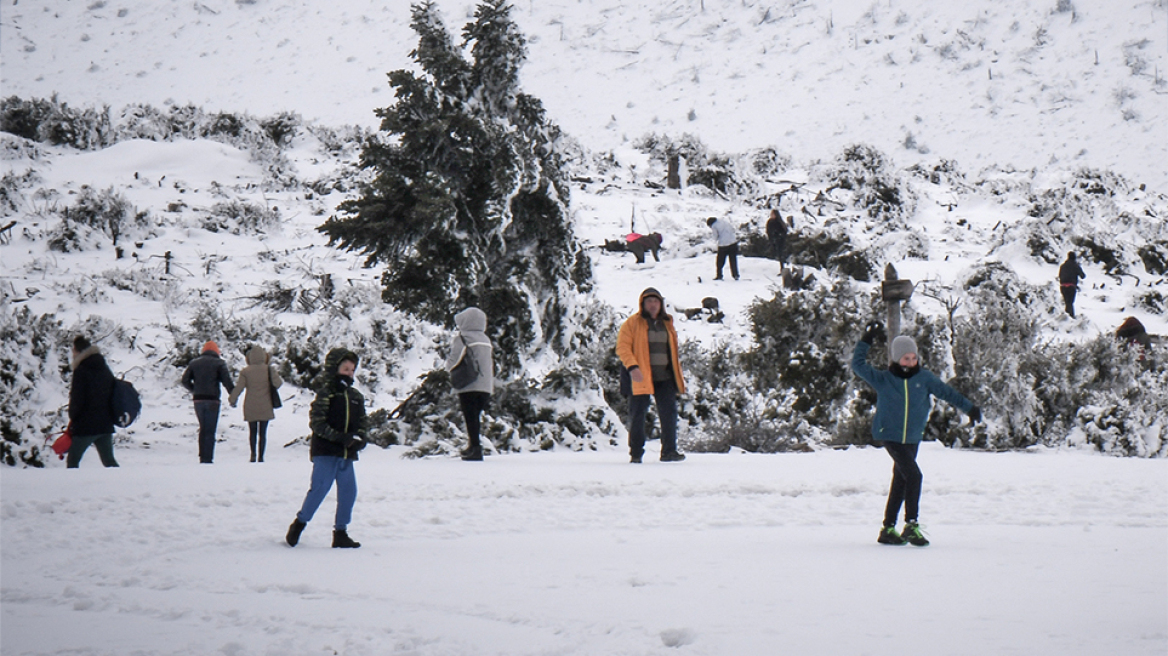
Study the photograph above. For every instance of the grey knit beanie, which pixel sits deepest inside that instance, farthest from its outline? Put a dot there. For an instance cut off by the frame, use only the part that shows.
(902, 346)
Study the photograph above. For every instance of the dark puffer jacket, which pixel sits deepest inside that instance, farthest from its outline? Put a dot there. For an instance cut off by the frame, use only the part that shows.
(338, 411)
(204, 375)
(90, 394)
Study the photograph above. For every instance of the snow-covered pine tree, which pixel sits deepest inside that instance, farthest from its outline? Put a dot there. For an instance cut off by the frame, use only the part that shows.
(468, 205)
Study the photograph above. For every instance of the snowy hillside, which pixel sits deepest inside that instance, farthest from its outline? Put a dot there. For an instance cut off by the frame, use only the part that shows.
(1032, 83)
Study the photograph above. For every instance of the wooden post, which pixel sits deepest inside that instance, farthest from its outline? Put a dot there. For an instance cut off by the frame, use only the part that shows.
(894, 291)
(673, 175)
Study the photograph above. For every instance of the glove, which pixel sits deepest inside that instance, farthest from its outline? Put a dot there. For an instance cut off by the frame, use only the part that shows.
(974, 415)
(355, 443)
(873, 330)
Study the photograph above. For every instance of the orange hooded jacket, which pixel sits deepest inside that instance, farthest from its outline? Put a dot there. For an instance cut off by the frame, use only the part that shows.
(632, 346)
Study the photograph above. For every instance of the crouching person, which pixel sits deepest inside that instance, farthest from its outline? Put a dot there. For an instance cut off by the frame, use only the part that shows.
(339, 431)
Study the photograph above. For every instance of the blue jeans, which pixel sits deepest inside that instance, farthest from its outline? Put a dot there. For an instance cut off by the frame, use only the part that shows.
(665, 392)
(325, 470)
(105, 449)
(207, 412)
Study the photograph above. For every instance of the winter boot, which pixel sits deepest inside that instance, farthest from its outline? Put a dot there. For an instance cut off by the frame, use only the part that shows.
(341, 540)
(888, 535)
(472, 454)
(913, 535)
(672, 456)
(636, 460)
(294, 532)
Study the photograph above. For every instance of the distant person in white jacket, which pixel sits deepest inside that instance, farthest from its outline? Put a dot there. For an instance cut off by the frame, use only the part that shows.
(727, 245)
(472, 345)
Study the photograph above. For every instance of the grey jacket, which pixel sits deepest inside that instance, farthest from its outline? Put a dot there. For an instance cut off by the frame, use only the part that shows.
(472, 322)
(724, 232)
(204, 375)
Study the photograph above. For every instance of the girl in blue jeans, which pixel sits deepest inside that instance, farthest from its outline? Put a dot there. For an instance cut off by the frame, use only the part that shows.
(339, 432)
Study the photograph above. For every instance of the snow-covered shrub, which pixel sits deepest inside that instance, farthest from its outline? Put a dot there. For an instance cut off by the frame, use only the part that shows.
(106, 212)
(730, 175)
(55, 122)
(31, 365)
(12, 186)
(240, 218)
(828, 248)
(875, 187)
(1155, 257)
(944, 172)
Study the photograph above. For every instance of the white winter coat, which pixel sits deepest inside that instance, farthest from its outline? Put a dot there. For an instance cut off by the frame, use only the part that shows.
(724, 232)
(472, 322)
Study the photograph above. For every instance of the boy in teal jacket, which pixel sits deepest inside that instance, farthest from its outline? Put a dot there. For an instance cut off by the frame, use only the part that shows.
(904, 394)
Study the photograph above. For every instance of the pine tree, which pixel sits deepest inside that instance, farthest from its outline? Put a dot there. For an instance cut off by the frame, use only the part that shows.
(468, 205)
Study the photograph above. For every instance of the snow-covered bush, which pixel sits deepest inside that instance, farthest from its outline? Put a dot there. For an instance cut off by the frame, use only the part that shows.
(55, 122)
(106, 212)
(240, 218)
(875, 187)
(31, 366)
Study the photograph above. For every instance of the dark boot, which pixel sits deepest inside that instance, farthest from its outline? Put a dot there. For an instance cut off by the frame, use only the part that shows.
(341, 540)
(294, 532)
(472, 454)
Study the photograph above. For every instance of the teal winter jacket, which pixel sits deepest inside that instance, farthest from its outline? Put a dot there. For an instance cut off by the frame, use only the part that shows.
(903, 404)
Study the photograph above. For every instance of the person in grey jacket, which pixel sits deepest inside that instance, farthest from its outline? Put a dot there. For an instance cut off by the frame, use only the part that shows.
(472, 342)
(727, 245)
(259, 378)
(202, 379)
(904, 393)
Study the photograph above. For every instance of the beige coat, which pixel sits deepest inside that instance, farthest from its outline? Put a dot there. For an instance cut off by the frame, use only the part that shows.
(258, 378)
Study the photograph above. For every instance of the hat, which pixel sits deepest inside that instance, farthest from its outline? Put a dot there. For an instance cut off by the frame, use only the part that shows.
(651, 291)
(211, 346)
(710, 221)
(902, 346)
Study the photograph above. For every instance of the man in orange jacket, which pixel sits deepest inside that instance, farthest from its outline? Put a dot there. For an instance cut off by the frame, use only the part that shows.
(647, 347)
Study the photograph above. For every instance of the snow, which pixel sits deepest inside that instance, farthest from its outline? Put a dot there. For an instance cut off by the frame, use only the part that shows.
(582, 553)
(561, 552)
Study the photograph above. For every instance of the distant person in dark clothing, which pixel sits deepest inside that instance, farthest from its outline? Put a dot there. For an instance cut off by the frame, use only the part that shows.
(1069, 275)
(650, 242)
(776, 230)
(1132, 333)
(91, 416)
(202, 378)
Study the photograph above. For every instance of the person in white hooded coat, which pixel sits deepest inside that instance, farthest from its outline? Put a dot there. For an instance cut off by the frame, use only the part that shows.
(471, 341)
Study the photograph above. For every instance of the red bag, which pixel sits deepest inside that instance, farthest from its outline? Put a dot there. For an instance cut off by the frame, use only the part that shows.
(63, 442)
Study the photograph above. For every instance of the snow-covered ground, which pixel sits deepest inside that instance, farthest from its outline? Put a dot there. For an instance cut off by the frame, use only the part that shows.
(581, 553)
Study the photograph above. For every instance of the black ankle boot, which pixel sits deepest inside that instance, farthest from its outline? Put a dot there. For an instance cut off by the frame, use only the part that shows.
(294, 532)
(341, 540)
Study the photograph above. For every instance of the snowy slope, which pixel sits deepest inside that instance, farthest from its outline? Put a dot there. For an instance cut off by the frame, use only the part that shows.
(1028, 84)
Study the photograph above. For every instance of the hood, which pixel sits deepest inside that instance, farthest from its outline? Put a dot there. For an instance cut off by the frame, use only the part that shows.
(471, 320)
(652, 291)
(92, 350)
(257, 355)
(334, 359)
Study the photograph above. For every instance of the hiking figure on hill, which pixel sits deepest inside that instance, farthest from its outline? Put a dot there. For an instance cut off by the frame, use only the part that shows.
(202, 378)
(776, 229)
(260, 379)
(727, 245)
(340, 430)
(474, 396)
(1069, 275)
(647, 347)
(638, 244)
(904, 394)
(91, 416)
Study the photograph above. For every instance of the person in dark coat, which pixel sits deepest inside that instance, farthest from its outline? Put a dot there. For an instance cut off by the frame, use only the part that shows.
(904, 394)
(650, 242)
(91, 416)
(472, 342)
(1069, 275)
(340, 429)
(776, 230)
(202, 378)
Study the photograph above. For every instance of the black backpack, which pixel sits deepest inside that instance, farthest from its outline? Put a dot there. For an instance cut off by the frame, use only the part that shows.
(467, 371)
(125, 403)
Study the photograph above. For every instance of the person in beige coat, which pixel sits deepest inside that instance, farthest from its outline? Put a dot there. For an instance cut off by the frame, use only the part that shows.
(259, 378)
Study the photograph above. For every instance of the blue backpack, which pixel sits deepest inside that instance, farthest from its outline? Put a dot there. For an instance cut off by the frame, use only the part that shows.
(125, 403)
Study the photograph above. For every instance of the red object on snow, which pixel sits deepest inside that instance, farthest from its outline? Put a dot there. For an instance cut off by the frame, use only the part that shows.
(63, 442)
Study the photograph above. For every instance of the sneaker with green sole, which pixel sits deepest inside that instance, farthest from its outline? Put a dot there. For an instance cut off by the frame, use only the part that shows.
(913, 535)
(888, 535)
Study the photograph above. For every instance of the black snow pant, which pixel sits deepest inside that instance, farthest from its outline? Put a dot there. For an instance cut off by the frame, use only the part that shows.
(257, 429)
(1069, 298)
(473, 404)
(730, 252)
(906, 483)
